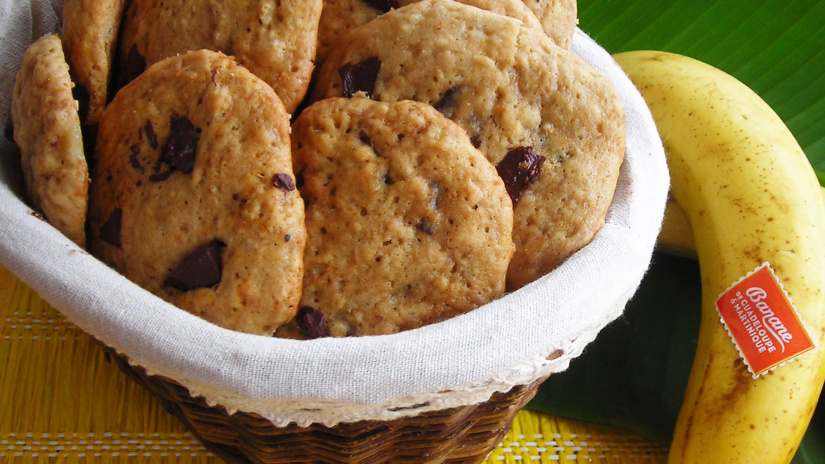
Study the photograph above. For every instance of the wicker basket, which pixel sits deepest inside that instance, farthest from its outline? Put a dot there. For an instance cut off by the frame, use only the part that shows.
(443, 393)
(464, 434)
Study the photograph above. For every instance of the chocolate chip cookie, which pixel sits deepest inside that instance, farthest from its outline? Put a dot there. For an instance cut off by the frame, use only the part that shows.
(551, 124)
(47, 130)
(275, 40)
(408, 224)
(339, 16)
(90, 31)
(193, 194)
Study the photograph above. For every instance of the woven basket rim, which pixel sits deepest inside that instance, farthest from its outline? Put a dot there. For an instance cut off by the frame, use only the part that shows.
(465, 433)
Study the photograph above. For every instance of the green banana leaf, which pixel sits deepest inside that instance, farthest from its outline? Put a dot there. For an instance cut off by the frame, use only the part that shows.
(777, 47)
(634, 374)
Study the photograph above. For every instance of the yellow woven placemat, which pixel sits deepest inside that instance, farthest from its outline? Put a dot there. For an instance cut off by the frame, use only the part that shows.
(62, 401)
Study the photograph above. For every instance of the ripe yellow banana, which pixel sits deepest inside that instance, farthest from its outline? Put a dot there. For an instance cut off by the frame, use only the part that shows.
(750, 195)
(676, 238)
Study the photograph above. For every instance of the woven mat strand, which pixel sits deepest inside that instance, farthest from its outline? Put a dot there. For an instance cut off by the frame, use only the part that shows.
(62, 401)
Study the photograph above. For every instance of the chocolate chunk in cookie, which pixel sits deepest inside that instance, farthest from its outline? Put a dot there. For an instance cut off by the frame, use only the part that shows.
(283, 181)
(182, 145)
(110, 230)
(311, 323)
(201, 268)
(520, 168)
(383, 6)
(360, 77)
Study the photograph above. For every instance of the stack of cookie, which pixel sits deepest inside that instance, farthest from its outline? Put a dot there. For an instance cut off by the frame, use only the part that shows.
(320, 168)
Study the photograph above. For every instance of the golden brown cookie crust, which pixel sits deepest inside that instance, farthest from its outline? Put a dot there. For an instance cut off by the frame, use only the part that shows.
(274, 40)
(90, 31)
(408, 224)
(233, 189)
(508, 86)
(47, 131)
